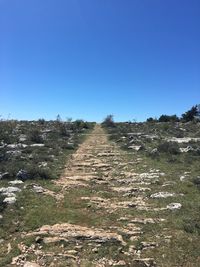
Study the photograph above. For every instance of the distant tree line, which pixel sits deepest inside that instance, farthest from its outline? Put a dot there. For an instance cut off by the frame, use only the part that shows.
(189, 115)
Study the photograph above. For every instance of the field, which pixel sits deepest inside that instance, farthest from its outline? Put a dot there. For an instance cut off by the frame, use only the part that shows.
(80, 194)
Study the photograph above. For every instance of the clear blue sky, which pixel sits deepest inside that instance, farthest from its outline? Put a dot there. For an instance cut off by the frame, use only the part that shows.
(89, 58)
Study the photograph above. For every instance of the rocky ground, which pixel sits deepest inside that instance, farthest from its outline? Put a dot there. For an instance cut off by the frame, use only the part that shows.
(109, 208)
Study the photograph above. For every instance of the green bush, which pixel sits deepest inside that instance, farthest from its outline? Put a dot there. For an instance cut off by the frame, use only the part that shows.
(41, 121)
(167, 118)
(192, 226)
(80, 124)
(63, 129)
(37, 172)
(152, 119)
(34, 136)
(190, 114)
(196, 181)
(6, 131)
(2, 204)
(169, 147)
(109, 121)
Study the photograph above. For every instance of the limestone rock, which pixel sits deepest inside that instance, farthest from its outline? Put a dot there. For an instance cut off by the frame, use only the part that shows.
(31, 264)
(38, 189)
(37, 145)
(174, 206)
(16, 182)
(55, 239)
(130, 189)
(183, 140)
(134, 147)
(162, 195)
(10, 189)
(67, 230)
(186, 149)
(120, 263)
(7, 194)
(154, 151)
(14, 146)
(10, 200)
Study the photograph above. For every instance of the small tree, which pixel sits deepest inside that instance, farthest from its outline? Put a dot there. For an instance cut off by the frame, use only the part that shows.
(109, 121)
(167, 118)
(58, 118)
(152, 119)
(34, 136)
(190, 114)
(41, 121)
(78, 124)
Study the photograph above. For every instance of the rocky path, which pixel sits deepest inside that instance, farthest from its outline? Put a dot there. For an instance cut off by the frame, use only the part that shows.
(101, 185)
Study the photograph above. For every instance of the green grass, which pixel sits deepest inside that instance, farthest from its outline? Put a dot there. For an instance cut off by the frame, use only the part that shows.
(184, 224)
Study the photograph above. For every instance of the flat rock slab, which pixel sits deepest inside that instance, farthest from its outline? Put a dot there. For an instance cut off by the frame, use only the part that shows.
(162, 195)
(72, 231)
(9, 189)
(16, 182)
(31, 264)
(10, 200)
(174, 206)
(130, 189)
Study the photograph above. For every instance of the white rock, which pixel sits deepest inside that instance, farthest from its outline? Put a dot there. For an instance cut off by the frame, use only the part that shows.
(169, 183)
(14, 146)
(7, 194)
(186, 149)
(42, 164)
(119, 263)
(149, 175)
(15, 182)
(37, 145)
(38, 189)
(31, 264)
(22, 137)
(183, 140)
(162, 195)
(14, 153)
(10, 200)
(136, 148)
(10, 189)
(182, 178)
(174, 206)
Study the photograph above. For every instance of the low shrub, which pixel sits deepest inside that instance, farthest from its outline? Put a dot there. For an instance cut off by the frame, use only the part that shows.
(169, 147)
(2, 204)
(167, 118)
(37, 172)
(192, 226)
(63, 130)
(109, 121)
(196, 181)
(35, 136)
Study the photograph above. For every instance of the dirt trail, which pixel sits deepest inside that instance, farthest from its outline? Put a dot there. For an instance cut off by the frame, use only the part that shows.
(91, 161)
(116, 196)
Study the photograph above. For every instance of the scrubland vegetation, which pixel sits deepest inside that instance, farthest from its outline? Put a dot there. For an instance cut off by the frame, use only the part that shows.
(39, 148)
(74, 193)
(172, 146)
